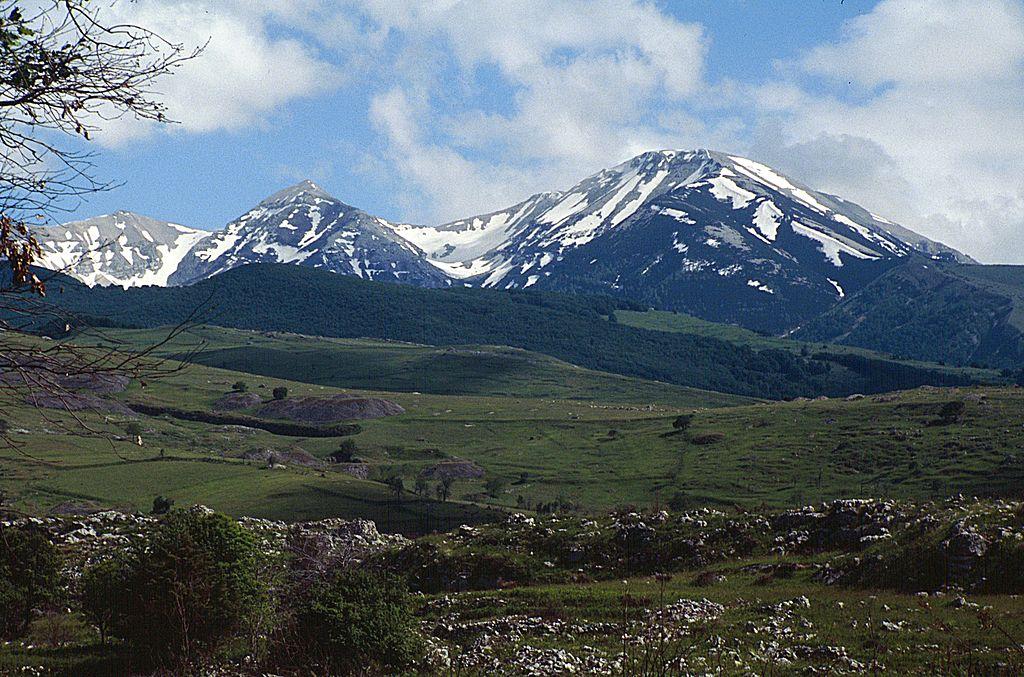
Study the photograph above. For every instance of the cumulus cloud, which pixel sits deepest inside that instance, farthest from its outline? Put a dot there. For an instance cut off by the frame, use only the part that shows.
(582, 89)
(921, 118)
(915, 108)
(248, 69)
(902, 111)
(928, 42)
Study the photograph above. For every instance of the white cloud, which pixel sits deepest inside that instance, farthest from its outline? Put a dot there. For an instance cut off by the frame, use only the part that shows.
(248, 69)
(581, 86)
(915, 109)
(925, 42)
(436, 173)
(923, 121)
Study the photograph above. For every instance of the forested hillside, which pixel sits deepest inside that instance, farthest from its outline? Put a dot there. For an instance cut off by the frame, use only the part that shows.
(571, 328)
(934, 311)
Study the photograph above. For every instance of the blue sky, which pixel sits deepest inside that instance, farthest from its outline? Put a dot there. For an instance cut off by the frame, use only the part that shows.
(428, 111)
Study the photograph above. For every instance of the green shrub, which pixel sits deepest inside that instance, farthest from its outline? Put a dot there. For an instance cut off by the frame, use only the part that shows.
(192, 586)
(240, 386)
(102, 595)
(29, 577)
(682, 422)
(345, 453)
(280, 393)
(56, 630)
(357, 621)
(162, 505)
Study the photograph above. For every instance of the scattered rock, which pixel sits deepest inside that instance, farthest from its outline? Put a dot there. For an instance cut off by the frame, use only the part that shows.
(276, 457)
(357, 470)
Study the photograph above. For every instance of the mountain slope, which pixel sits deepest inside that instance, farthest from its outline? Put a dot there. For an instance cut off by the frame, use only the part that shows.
(304, 225)
(574, 329)
(934, 311)
(121, 249)
(716, 235)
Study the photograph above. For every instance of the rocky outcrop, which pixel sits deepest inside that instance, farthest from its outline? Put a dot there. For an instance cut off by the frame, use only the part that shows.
(459, 470)
(87, 538)
(329, 409)
(236, 401)
(77, 402)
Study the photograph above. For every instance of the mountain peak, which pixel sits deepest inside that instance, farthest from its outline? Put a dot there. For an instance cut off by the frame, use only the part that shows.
(305, 187)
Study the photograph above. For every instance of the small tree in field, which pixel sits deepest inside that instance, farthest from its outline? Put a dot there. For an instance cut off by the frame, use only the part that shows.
(397, 486)
(494, 486)
(280, 393)
(444, 487)
(682, 422)
(346, 451)
(162, 505)
(240, 386)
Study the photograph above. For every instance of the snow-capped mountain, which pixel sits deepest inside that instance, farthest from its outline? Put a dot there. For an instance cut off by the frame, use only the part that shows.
(716, 235)
(122, 249)
(306, 226)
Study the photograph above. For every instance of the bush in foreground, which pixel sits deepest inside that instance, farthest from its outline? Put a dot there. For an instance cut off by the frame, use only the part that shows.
(356, 621)
(102, 595)
(29, 577)
(190, 588)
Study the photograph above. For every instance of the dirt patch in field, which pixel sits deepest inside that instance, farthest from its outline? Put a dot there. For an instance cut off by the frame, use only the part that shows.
(78, 402)
(286, 457)
(234, 401)
(460, 470)
(100, 384)
(329, 409)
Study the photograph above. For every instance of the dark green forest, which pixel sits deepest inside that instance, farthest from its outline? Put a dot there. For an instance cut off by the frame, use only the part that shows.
(577, 329)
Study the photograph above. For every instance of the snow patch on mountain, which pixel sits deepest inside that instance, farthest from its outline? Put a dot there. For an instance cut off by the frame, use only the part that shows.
(120, 249)
(702, 231)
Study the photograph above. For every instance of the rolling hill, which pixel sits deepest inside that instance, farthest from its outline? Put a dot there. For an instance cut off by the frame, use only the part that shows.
(372, 364)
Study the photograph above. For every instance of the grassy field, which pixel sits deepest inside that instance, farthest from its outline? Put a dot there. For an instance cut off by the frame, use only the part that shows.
(531, 451)
(90, 459)
(374, 364)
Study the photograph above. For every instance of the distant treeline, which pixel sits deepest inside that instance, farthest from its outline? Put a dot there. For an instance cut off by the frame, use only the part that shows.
(575, 329)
